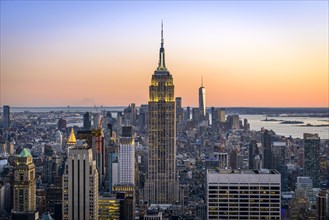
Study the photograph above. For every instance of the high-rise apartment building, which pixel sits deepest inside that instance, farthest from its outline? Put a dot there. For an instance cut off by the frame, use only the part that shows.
(127, 156)
(6, 116)
(24, 187)
(113, 169)
(233, 121)
(143, 116)
(279, 162)
(80, 184)
(202, 100)
(266, 140)
(243, 194)
(61, 124)
(179, 110)
(221, 115)
(187, 116)
(98, 148)
(196, 115)
(162, 181)
(312, 157)
(86, 121)
(322, 202)
(253, 154)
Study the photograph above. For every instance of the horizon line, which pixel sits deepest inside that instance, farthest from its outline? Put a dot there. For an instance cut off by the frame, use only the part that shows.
(120, 106)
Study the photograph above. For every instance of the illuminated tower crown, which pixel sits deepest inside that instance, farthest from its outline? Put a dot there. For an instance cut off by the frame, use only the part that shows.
(161, 185)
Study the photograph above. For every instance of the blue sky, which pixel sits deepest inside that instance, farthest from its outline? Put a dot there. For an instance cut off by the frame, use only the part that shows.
(230, 43)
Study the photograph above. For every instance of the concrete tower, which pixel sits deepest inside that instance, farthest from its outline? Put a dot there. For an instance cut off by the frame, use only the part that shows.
(161, 184)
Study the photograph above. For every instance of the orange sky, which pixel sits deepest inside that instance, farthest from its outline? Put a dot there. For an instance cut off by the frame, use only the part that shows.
(247, 55)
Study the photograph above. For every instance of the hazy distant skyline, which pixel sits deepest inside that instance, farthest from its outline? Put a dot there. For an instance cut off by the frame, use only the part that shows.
(85, 53)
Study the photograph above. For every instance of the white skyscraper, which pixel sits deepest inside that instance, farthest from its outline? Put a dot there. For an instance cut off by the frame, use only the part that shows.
(247, 194)
(80, 184)
(127, 157)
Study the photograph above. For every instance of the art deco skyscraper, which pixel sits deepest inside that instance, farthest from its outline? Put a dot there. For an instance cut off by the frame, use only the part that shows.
(202, 100)
(80, 184)
(161, 184)
(24, 187)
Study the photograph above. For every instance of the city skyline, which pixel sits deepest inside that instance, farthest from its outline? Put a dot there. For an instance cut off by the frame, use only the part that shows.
(251, 54)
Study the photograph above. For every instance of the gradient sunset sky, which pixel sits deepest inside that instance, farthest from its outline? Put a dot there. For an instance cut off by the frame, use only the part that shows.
(85, 53)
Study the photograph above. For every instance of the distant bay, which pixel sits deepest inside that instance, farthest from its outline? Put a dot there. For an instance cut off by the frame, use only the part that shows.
(295, 130)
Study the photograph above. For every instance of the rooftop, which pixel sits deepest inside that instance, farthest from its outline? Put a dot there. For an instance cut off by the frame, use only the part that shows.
(229, 171)
(72, 139)
(25, 153)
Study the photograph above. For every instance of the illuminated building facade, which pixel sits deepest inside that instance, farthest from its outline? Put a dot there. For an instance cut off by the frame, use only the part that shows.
(108, 208)
(127, 156)
(125, 193)
(161, 184)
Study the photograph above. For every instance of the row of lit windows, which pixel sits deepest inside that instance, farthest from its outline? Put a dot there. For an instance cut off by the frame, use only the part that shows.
(217, 209)
(243, 213)
(251, 187)
(244, 192)
(246, 204)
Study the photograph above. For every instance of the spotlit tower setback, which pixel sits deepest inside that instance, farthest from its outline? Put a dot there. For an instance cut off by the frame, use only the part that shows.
(161, 185)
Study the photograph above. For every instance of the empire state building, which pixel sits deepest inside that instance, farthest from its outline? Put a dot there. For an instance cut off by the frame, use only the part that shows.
(161, 185)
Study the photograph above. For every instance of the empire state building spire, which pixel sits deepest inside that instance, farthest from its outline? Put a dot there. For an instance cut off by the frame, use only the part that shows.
(162, 64)
(161, 184)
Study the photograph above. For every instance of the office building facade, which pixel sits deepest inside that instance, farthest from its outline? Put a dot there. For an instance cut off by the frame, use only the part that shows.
(248, 194)
(80, 184)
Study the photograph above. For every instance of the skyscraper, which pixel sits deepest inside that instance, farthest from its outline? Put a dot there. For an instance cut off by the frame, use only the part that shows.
(80, 184)
(322, 205)
(266, 140)
(179, 110)
(253, 153)
(202, 100)
(6, 116)
(86, 121)
(24, 187)
(243, 194)
(221, 115)
(162, 183)
(312, 157)
(127, 157)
